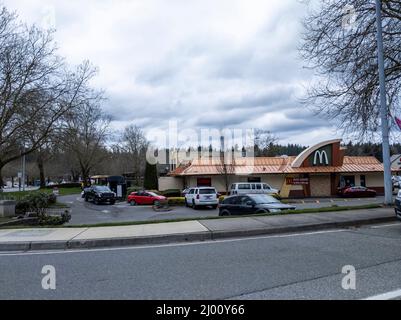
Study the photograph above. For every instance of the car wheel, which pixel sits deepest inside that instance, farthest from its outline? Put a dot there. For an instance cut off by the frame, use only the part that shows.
(156, 203)
(186, 203)
(86, 199)
(262, 212)
(132, 203)
(214, 207)
(96, 201)
(112, 202)
(194, 206)
(224, 213)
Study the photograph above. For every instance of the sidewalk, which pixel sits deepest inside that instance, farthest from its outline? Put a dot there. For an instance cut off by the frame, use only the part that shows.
(199, 230)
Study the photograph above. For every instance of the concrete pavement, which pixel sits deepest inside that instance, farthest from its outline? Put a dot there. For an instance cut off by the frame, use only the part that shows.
(197, 230)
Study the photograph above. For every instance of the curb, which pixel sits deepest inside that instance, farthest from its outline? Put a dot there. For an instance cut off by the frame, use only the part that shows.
(182, 238)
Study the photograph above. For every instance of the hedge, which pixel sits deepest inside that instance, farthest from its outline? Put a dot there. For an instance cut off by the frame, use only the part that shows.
(172, 193)
(176, 201)
(65, 185)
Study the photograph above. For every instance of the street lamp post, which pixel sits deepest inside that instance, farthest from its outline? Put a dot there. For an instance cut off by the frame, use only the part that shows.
(388, 188)
(23, 172)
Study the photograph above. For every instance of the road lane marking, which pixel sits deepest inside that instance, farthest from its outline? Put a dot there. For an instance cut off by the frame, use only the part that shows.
(386, 296)
(386, 225)
(169, 244)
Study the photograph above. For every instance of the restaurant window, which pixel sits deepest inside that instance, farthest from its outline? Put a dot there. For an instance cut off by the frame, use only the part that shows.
(363, 181)
(254, 179)
(347, 181)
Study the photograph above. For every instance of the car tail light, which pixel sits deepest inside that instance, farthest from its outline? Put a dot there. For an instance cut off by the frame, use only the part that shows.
(197, 196)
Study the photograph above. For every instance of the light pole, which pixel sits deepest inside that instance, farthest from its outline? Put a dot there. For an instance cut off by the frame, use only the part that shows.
(388, 188)
(23, 171)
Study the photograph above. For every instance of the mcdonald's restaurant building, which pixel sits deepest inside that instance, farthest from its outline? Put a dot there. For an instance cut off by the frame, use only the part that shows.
(317, 172)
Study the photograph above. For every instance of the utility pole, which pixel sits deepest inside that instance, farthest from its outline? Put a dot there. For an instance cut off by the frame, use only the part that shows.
(388, 187)
(23, 171)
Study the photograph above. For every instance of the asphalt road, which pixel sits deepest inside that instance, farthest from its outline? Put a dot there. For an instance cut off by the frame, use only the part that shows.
(89, 213)
(294, 266)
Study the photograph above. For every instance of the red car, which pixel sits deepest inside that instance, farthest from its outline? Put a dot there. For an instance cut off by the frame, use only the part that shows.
(144, 198)
(356, 192)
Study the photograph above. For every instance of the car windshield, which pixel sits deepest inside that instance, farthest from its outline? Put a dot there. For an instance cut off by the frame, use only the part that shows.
(207, 191)
(152, 194)
(263, 198)
(102, 189)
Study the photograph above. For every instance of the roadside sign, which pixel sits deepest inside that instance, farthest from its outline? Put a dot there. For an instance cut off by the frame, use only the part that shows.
(297, 181)
(119, 191)
(56, 191)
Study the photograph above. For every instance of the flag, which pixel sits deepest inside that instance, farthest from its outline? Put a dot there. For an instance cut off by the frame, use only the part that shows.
(398, 122)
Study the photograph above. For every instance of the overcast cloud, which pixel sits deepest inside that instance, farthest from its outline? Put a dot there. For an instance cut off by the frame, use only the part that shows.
(204, 63)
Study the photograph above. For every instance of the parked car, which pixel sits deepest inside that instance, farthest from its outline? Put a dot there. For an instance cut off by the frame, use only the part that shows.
(397, 207)
(185, 191)
(356, 192)
(252, 188)
(84, 191)
(145, 198)
(100, 194)
(202, 197)
(252, 204)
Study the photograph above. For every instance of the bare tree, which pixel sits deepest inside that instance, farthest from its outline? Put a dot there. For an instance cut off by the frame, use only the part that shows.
(134, 144)
(226, 167)
(339, 43)
(264, 141)
(36, 88)
(43, 154)
(85, 136)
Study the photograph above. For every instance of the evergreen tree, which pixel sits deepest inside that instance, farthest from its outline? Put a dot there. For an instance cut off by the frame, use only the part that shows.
(151, 180)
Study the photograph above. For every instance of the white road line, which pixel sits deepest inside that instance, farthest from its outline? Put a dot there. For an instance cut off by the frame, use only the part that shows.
(386, 225)
(386, 296)
(169, 244)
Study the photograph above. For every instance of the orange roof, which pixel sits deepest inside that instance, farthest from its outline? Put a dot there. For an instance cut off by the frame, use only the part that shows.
(276, 165)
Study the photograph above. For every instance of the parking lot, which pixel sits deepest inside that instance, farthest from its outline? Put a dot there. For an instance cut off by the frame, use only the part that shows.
(88, 213)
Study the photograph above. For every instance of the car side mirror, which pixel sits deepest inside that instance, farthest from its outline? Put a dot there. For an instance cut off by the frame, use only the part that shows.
(250, 204)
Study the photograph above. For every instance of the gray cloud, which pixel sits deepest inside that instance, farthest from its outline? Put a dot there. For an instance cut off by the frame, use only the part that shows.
(202, 62)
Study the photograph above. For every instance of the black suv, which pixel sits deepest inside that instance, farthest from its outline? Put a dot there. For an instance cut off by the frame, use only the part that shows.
(100, 194)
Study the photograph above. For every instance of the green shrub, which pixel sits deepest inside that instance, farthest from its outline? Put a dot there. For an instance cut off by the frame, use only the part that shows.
(176, 201)
(151, 181)
(133, 189)
(36, 202)
(221, 198)
(55, 220)
(65, 185)
(51, 199)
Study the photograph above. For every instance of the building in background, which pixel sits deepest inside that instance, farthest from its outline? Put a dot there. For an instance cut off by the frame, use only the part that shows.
(396, 162)
(316, 172)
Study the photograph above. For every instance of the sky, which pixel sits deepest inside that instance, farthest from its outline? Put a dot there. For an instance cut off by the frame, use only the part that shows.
(201, 63)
